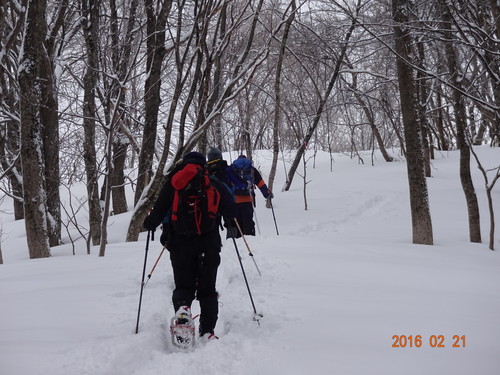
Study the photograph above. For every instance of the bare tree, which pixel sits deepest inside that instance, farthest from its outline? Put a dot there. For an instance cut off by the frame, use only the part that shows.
(156, 19)
(489, 187)
(277, 96)
(32, 157)
(454, 72)
(90, 15)
(60, 29)
(368, 110)
(12, 18)
(422, 100)
(323, 99)
(477, 23)
(419, 201)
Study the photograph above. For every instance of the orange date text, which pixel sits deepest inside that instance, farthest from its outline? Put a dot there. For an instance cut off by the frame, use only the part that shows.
(432, 341)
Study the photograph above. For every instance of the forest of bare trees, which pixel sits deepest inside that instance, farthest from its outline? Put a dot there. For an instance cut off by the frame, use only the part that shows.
(111, 93)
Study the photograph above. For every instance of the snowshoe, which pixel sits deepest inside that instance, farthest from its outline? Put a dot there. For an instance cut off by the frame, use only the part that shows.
(182, 328)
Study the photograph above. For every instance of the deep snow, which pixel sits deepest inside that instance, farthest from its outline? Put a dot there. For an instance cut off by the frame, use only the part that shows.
(337, 284)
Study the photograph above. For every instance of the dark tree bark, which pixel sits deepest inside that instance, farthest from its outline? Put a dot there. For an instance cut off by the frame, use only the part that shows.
(50, 133)
(155, 44)
(443, 141)
(422, 109)
(118, 176)
(90, 13)
(32, 158)
(419, 201)
(49, 114)
(454, 72)
(277, 98)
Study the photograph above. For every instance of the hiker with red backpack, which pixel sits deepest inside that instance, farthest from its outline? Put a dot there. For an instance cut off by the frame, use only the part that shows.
(192, 203)
(243, 177)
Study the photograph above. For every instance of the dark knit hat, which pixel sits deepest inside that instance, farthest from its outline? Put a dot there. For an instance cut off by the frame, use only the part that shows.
(194, 157)
(242, 156)
(213, 154)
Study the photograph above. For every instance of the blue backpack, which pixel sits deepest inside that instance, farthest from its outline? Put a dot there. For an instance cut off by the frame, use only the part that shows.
(243, 171)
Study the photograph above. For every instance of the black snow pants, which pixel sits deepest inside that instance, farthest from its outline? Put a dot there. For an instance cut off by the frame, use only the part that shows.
(195, 262)
(245, 219)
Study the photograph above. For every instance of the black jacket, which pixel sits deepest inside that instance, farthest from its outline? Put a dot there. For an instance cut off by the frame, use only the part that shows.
(218, 169)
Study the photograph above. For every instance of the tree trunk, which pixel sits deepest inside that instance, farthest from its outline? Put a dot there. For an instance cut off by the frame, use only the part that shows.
(155, 45)
(50, 134)
(440, 122)
(217, 78)
(32, 158)
(17, 191)
(107, 195)
(90, 10)
(460, 120)
(422, 109)
(277, 99)
(479, 138)
(419, 201)
(49, 114)
(117, 175)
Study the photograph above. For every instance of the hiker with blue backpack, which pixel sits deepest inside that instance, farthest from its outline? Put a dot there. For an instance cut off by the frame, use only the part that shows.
(192, 202)
(243, 178)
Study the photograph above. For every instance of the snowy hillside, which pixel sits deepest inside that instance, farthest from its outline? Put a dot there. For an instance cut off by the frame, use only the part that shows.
(338, 284)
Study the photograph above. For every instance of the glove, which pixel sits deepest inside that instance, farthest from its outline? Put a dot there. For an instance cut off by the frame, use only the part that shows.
(164, 236)
(149, 223)
(269, 195)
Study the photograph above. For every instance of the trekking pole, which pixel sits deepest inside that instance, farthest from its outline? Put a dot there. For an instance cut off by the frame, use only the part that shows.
(152, 269)
(142, 283)
(246, 243)
(251, 190)
(256, 221)
(256, 315)
(274, 217)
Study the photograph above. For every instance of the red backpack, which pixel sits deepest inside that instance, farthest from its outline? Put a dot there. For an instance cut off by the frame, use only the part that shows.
(196, 202)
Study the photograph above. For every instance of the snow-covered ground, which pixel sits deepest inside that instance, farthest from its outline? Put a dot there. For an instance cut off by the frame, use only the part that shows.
(340, 281)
